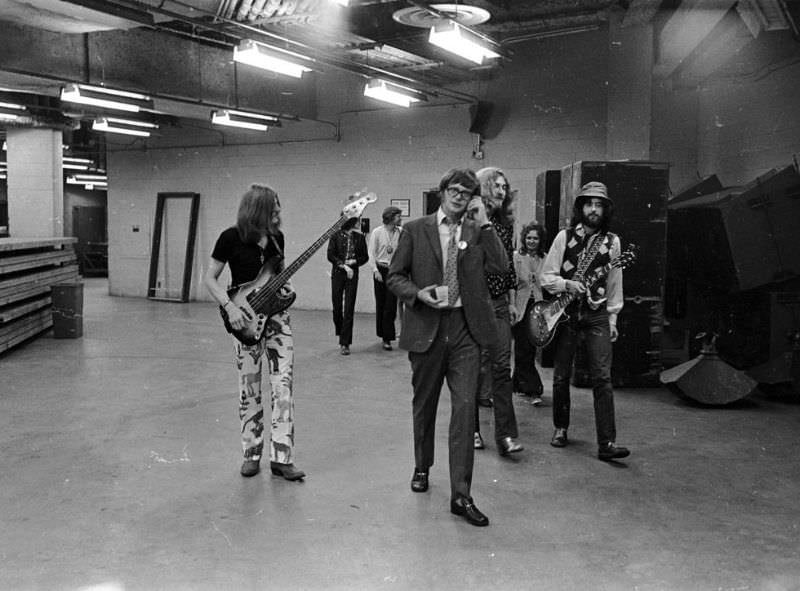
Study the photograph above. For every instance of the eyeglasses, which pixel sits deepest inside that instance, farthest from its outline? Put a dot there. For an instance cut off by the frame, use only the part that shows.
(466, 194)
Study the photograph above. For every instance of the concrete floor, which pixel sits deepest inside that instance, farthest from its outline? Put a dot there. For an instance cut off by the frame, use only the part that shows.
(120, 459)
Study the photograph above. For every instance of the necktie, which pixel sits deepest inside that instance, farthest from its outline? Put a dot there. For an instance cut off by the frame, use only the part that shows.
(451, 267)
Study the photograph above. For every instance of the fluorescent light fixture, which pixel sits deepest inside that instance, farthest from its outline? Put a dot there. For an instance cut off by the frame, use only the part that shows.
(341, 2)
(244, 120)
(124, 126)
(268, 58)
(88, 178)
(3, 176)
(11, 111)
(99, 96)
(89, 181)
(456, 39)
(74, 160)
(70, 163)
(392, 93)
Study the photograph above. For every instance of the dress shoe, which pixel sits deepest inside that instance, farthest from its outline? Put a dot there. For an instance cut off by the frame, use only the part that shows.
(387, 346)
(559, 438)
(419, 482)
(507, 445)
(479, 444)
(537, 401)
(487, 402)
(250, 467)
(610, 451)
(344, 350)
(288, 471)
(465, 507)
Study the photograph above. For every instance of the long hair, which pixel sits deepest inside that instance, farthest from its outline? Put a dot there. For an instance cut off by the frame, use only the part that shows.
(539, 228)
(577, 214)
(254, 218)
(486, 177)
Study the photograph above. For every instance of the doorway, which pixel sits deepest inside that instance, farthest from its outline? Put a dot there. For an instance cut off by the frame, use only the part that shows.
(89, 227)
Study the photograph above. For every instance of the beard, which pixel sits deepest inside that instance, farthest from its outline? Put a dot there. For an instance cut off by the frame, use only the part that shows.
(592, 221)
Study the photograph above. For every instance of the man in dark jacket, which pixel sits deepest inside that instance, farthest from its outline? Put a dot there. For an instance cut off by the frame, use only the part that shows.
(439, 272)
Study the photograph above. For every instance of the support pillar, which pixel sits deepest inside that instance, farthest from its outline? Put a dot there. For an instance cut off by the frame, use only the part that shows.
(35, 183)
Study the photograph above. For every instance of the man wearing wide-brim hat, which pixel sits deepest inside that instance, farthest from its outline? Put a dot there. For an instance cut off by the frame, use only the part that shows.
(577, 252)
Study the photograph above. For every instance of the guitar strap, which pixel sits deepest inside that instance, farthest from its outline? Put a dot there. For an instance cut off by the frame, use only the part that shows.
(587, 256)
(279, 250)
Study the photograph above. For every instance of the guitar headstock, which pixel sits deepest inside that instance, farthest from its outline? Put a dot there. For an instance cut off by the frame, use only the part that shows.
(359, 201)
(628, 257)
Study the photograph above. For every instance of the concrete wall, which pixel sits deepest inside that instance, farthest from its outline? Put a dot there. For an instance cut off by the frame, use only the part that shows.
(749, 124)
(738, 124)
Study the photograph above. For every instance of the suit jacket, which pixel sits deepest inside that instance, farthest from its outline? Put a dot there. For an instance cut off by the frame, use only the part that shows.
(418, 263)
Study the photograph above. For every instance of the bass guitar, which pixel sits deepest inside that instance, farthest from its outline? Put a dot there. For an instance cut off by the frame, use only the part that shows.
(546, 315)
(268, 294)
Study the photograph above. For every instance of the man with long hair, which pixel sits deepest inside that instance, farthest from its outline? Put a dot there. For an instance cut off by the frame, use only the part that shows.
(574, 255)
(347, 251)
(255, 243)
(498, 198)
(438, 272)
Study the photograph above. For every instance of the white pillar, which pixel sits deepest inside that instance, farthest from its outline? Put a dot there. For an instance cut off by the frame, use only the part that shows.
(35, 183)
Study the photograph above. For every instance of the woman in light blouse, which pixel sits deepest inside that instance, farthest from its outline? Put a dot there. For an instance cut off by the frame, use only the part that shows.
(528, 262)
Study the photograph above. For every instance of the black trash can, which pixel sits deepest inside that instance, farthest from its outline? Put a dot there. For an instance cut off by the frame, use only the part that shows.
(67, 310)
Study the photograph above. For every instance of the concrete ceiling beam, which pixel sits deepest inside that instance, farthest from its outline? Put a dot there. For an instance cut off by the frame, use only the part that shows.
(685, 30)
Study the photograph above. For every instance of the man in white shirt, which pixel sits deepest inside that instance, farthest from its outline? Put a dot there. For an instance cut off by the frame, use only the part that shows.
(576, 252)
(381, 247)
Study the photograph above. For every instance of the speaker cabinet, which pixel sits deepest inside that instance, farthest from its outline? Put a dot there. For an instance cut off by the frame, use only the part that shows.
(740, 238)
(481, 114)
(640, 190)
(548, 200)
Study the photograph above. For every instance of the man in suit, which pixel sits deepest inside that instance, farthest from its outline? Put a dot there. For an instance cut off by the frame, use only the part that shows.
(448, 318)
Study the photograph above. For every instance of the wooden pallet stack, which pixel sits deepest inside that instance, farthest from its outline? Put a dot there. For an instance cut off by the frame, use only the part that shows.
(29, 267)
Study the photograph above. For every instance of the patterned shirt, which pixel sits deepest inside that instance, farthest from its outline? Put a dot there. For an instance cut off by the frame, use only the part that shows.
(500, 283)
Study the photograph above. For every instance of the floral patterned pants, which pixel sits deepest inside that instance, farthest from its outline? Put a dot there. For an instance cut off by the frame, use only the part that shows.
(271, 358)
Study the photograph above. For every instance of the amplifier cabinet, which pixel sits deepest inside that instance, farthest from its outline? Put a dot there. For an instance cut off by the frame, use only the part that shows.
(739, 238)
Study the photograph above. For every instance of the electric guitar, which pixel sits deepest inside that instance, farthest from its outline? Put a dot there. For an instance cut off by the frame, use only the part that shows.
(546, 315)
(268, 294)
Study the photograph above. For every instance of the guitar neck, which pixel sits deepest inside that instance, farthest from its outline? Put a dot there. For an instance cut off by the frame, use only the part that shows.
(282, 277)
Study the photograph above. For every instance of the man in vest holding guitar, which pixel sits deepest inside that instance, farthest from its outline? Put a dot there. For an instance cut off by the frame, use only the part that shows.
(576, 255)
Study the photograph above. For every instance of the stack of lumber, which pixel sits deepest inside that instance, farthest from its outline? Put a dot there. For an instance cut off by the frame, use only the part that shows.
(29, 267)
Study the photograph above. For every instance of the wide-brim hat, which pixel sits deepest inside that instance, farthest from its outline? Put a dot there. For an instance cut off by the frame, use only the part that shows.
(595, 190)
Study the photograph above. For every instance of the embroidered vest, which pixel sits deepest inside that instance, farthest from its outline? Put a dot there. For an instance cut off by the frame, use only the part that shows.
(577, 241)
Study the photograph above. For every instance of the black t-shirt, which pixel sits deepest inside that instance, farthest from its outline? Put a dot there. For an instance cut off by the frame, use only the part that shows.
(246, 259)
